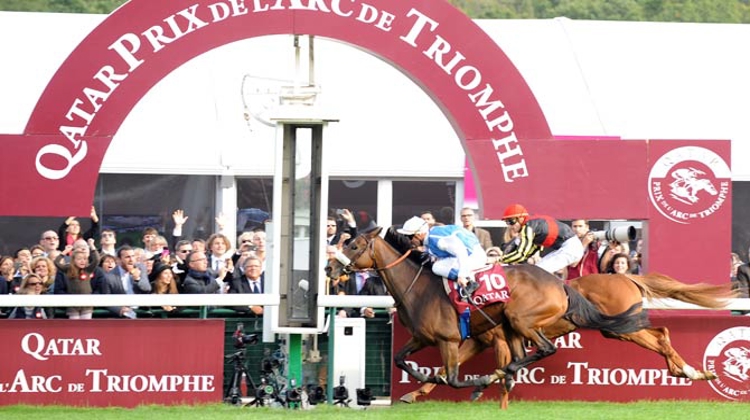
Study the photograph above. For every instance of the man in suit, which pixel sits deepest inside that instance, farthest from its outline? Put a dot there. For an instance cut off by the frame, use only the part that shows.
(199, 278)
(127, 278)
(467, 220)
(363, 284)
(251, 281)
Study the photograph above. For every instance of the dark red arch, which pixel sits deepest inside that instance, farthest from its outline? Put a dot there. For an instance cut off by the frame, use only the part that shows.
(398, 31)
(500, 123)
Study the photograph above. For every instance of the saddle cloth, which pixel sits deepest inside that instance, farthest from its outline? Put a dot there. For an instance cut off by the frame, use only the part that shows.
(493, 288)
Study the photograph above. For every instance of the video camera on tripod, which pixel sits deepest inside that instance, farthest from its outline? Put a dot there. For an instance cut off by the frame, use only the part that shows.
(241, 339)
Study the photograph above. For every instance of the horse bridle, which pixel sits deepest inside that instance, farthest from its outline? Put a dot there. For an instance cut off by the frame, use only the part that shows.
(349, 267)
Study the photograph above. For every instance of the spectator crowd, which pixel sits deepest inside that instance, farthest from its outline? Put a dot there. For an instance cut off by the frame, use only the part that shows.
(71, 260)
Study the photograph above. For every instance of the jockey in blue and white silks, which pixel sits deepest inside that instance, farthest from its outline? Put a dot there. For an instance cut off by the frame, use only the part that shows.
(456, 250)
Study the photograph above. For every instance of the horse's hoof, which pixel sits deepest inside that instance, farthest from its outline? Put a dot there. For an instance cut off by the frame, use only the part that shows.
(710, 376)
(407, 398)
(509, 383)
(476, 395)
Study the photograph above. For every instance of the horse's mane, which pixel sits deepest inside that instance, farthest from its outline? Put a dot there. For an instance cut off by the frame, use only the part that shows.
(402, 243)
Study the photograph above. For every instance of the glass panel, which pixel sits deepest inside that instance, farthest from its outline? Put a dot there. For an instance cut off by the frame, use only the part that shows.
(254, 202)
(411, 198)
(129, 203)
(303, 208)
(359, 196)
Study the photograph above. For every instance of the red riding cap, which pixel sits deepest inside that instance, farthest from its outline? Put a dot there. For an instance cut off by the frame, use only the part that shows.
(515, 210)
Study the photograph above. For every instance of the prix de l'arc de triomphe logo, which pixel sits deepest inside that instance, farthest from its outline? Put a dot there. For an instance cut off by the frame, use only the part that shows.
(689, 183)
(728, 356)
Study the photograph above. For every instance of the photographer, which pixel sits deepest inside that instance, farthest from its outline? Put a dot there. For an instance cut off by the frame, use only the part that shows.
(589, 264)
(245, 248)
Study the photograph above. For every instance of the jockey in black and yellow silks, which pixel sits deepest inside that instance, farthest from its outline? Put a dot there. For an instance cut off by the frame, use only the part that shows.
(538, 232)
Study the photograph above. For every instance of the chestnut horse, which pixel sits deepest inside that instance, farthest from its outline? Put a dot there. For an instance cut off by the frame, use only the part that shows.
(538, 300)
(612, 294)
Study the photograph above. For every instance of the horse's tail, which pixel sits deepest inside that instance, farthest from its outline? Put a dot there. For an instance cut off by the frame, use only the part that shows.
(583, 314)
(712, 296)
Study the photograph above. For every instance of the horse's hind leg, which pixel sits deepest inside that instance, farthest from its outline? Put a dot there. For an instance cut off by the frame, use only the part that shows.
(502, 358)
(657, 340)
(544, 348)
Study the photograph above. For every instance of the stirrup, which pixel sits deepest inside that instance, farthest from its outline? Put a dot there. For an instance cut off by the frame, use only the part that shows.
(471, 287)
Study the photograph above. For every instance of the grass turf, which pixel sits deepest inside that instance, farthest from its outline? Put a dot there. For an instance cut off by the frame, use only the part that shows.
(519, 410)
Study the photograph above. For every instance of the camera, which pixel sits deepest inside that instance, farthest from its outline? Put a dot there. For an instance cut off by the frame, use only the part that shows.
(619, 234)
(241, 339)
(339, 212)
(340, 392)
(315, 394)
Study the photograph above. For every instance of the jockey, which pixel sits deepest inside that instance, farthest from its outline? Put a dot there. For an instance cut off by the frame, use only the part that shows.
(457, 251)
(538, 232)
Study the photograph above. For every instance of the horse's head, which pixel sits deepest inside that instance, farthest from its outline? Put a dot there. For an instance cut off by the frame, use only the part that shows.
(708, 186)
(358, 255)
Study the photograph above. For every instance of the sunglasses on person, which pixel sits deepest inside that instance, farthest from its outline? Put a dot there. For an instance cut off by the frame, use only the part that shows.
(34, 283)
(511, 222)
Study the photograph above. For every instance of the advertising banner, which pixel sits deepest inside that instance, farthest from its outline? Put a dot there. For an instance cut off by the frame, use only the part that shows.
(589, 367)
(121, 363)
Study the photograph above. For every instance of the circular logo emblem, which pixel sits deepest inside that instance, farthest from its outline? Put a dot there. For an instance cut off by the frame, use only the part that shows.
(728, 357)
(689, 183)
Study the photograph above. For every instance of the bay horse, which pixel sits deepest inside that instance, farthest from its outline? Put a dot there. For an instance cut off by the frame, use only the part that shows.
(611, 294)
(537, 301)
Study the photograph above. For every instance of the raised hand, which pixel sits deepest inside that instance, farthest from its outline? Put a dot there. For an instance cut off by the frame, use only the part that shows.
(221, 221)
(179, 217)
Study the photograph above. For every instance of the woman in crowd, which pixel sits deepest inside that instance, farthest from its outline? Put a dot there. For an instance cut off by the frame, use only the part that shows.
(46, 270)
(619, 264)
(77, 279)
(163, 282)
(70, 231)
(30, 285)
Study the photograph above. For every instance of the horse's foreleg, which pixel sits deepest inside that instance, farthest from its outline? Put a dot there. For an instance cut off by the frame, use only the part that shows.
(657, 340)
(466, 351)
(410, 347)
(449, 353)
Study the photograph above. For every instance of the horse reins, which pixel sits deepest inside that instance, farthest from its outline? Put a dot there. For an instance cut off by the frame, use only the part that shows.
(348, 268)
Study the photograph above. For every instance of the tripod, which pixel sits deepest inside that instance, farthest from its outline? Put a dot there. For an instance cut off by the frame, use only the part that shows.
(233, 394)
